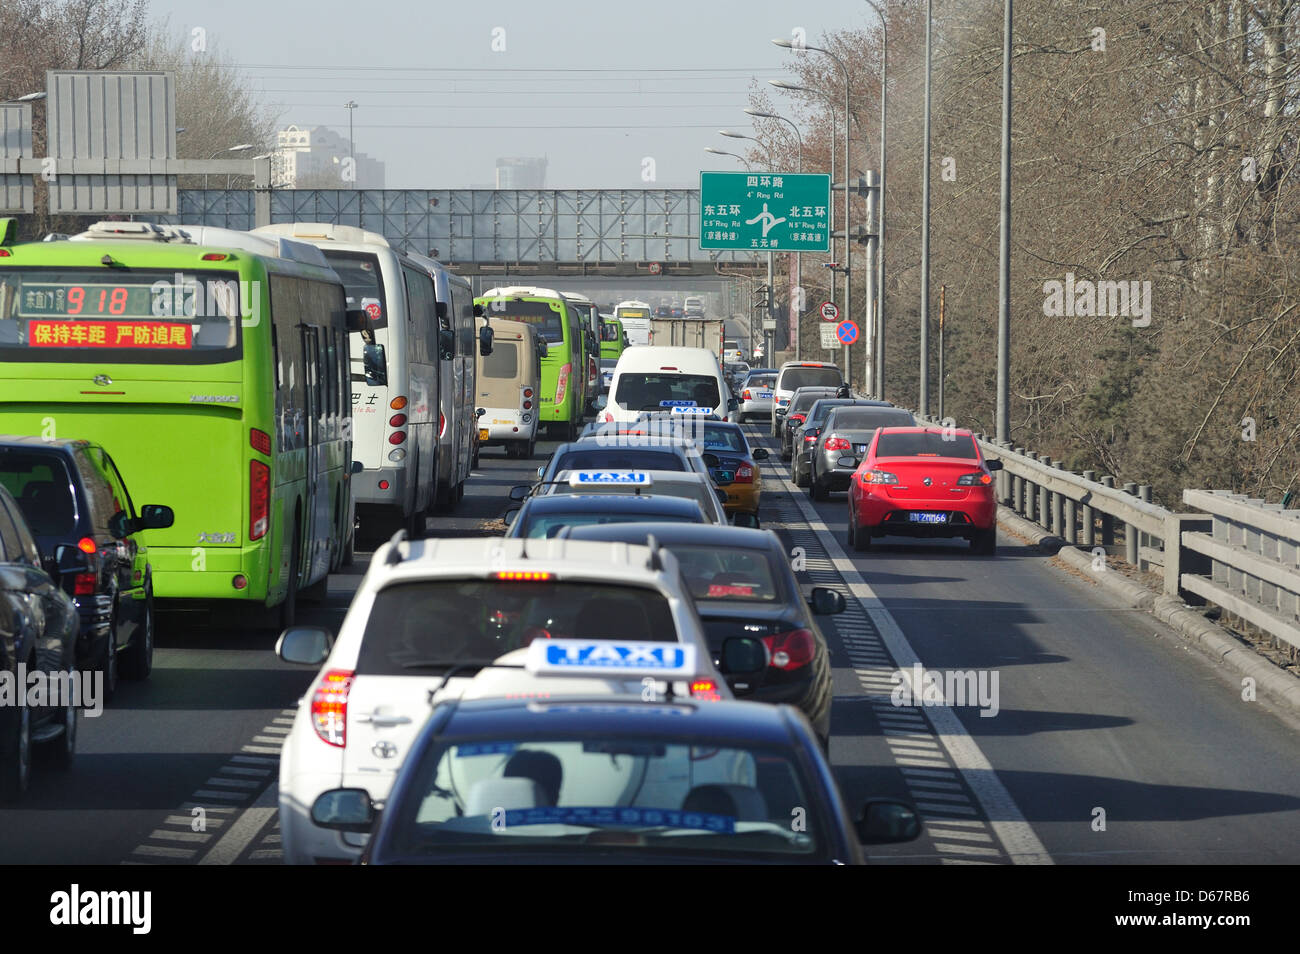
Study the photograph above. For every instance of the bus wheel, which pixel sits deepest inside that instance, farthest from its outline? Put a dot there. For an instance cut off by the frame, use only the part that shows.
(289, 608)
(414, 525)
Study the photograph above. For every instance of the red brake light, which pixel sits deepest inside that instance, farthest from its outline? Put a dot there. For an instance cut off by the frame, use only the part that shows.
(517, 575)
(528, 405)
(259, 499)
(397, 420)
(83, 584)
(974, 479)
(744, 474)
(260, 441)
(397, 437)
(442, 425)
(799, 417)
(329, 707)
(214, 257)
(838, 443)
(528, 392)
(87, 545)
(705, 690)
(563, 384)
(810, 438)
(790, 650)
(745, 394)
(667, 369)
(4, 253)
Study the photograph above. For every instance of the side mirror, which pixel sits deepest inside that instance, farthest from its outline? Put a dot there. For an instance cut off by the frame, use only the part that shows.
(446, 344)
(602, 402)
(993, 465)
(825, 601)
(847, 462)
(711, 460)
(480, 411)
(304, 645)
(732, 404)
(743, 656)
(745, 519)
(520, 493)
(155, 517)
(541, 471)
(885, 821)
(509, 516)
(479, 312)
(759, 453)
(355, 319)
(485, 341)
(357, 467)
(344, 809)
(541, 347)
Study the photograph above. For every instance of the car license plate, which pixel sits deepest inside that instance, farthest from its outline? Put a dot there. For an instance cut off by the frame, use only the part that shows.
(924, 517)
(482, 433)
(765, 395)
(859, 448)
(724, 476)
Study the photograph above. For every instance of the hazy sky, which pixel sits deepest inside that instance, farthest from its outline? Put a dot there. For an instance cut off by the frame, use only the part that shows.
(595, 87)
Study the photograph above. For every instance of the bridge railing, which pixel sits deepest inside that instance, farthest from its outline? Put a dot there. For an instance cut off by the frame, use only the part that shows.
(1237, 553)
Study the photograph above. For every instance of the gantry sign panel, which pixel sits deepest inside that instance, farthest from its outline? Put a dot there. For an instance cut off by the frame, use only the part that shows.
(16, 191)
(765, 212)
(506, 226)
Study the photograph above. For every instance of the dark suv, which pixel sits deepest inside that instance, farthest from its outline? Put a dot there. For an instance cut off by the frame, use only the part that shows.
(71, 493)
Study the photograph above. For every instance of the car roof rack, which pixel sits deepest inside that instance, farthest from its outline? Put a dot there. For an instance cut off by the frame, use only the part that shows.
(394, 555)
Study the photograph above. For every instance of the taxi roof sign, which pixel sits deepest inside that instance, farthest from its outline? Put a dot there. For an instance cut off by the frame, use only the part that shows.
(675, 404)
(692, 409)
(603, 658)
(586, 478)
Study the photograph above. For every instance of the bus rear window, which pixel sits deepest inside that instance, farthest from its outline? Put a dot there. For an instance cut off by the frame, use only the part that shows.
(503, 362)
(546, 317)
(136, 316)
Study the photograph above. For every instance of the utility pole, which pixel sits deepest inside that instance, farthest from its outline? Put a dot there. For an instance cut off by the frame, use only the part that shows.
(923, 404)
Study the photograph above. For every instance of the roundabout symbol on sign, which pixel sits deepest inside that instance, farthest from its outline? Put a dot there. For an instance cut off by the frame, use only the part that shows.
(829, 311)
(847, 332)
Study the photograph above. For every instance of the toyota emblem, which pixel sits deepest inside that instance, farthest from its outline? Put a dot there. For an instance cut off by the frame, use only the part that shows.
(384, 749)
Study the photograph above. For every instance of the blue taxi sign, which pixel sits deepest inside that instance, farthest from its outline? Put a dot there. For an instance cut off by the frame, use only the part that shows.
(692, 409)
(675, 404)
(631, 478)
(604, 658)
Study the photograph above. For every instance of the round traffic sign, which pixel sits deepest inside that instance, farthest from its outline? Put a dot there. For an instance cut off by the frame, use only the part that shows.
(847, 332)
(655, 268)
(829, 311)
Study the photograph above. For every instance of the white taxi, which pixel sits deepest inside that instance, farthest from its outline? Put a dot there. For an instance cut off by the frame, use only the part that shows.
(435, 620)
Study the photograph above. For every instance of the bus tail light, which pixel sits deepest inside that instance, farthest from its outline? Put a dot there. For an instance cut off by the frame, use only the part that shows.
(259, 499)
(260, 441)
(790, 650)
(397, 437)
(528, 392)
(397, 403)
(397, 420)
(563, 385)
(442, 426)
(329, 707)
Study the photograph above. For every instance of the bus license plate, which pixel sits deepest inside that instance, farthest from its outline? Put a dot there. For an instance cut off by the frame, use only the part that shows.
(482, 433)
(924, 517)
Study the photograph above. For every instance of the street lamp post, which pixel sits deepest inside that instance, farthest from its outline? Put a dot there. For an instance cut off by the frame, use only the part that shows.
(924, 403)
(880, 206)
(796, 294)
(352, 144)
(848, 244)
(240, 148)
(771, 296)
(1003, 419)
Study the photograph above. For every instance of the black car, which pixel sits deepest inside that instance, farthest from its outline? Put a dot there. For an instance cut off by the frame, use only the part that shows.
(614, 780)
(805, 435)
(742, 585)
(38, 637)
(71, 493)
(796, 413)
(547, 516)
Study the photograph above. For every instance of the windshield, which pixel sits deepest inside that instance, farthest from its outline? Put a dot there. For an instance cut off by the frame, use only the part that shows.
(731, 574)
(129, 316)
(867, 418)
(794, 378)
(363, 282)
(639, 391)
(802, 402)
(695, 490)
(645, 794)
(619, 458)
(717, 437)
(547, 316)
(41, 485)
(432, 624)
(926, 444)
(549, 524)
(822, 408)
(760, 380)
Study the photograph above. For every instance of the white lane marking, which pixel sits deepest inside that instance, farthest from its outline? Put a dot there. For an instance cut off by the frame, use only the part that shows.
(1005, 817)
(244, 830)
(966, 849)
(959, 835)
(154, 851)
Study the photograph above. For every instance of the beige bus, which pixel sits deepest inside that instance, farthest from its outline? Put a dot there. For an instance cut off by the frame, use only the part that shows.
(508, 383)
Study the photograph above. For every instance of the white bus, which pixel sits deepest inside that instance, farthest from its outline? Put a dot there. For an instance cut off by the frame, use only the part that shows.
(635, 316)
(394, 373)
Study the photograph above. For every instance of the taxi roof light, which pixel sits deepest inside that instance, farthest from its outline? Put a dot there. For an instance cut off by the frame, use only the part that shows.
(523, 575)
(629, 478)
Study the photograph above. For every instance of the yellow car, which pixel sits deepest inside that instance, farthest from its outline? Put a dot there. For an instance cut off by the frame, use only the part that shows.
(733, 465)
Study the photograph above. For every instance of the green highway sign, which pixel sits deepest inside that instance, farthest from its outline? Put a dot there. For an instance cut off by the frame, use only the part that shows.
(767, 211)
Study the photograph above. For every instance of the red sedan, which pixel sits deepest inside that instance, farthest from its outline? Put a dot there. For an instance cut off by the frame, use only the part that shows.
(923, 482)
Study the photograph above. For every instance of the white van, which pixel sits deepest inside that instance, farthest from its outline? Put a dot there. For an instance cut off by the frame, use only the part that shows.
(635, 318)
(509, 382)
(652, 378)
(693, 306)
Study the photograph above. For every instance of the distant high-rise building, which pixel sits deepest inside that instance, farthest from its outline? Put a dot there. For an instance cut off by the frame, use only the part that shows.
(521, 173)
(317, 158)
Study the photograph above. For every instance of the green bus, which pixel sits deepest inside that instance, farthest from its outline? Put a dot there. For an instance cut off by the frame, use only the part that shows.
(612, 338)
(563, 396)
(213, 365)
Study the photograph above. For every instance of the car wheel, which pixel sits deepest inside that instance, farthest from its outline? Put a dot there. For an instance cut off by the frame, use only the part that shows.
(349, 548)
(106, 658)
(860, 537)
(137, 659)
(985, 542)
(15, 752)
(816, 489)
(64, 746)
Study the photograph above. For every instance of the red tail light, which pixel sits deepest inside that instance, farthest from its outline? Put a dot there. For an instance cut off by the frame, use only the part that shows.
(838, 443)
(87, 545)
(83, 584)
(563, 385)
(810, 438)
(745, 395)
(744, 474)
(974, 480)
(397, 420)
(442, 426)
(329, 707)
(397, 437)
(790, 650)
(799, 417)
(528, 405)
(260, 441)
(528, 392)
(259, 499)
(705, 690)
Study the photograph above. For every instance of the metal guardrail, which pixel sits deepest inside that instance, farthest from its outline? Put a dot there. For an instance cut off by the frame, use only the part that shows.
(1238, 553)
